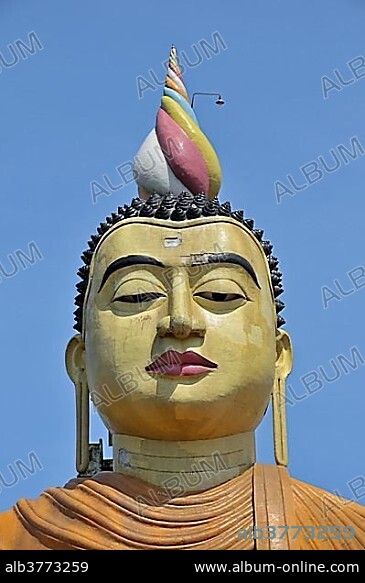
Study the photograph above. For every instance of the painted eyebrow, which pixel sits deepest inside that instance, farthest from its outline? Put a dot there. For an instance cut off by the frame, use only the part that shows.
(195, 259)
(233, 258)
(127, 262)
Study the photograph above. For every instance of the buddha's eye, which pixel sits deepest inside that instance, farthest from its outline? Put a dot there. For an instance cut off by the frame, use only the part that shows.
(139, 298)
(137, 295)
(219, 296)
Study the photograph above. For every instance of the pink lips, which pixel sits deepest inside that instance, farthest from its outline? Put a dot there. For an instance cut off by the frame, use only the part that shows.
(175, 364)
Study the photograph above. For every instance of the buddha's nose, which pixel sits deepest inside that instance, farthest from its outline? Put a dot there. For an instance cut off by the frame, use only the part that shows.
(182, 320)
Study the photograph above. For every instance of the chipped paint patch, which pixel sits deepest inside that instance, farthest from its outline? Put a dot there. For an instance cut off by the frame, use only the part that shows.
(172, 241)
(123, 458)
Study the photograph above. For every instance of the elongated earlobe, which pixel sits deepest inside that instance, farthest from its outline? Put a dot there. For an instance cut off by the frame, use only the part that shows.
(76, 371)
(282, 369)
(82, 427)
(279, 423)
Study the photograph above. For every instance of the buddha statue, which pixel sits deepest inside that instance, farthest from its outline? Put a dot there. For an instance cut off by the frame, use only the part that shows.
(180, 347)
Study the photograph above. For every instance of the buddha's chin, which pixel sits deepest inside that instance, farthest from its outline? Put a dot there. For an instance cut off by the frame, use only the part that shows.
(187, 415)
(201, 406)
(185, 430)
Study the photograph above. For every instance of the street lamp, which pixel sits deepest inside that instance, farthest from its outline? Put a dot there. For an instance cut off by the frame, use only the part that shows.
(219, 101)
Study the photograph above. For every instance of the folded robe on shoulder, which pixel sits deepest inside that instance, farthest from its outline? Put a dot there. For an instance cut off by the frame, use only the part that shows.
(112, 511)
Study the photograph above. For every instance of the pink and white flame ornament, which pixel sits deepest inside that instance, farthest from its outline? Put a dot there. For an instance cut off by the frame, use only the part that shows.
(176, 156)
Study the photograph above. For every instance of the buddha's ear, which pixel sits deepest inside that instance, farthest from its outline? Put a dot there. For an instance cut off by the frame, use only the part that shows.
(284, 355)
(75, 365)
(283, 367)
(75, 358)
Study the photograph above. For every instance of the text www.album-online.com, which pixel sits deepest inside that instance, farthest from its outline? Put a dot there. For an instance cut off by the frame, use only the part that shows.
(301, 567)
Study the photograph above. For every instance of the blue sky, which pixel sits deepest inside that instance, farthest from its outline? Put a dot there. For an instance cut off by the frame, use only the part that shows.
(71, 114)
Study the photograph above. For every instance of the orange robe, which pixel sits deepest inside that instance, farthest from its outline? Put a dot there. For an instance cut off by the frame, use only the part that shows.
(112, 511)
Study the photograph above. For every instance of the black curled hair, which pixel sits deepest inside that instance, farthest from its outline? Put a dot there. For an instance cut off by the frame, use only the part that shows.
(173, 207)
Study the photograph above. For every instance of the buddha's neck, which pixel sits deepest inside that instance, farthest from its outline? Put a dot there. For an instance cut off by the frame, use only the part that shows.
(185, 466)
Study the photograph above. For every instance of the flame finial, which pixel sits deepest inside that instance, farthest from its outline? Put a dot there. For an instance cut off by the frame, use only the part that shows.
(176, 156)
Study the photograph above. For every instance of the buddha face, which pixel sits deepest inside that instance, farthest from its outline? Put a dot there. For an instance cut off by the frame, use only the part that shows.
(179, 329)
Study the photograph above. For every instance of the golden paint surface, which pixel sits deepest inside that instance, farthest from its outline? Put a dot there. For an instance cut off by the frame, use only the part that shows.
(122, 338)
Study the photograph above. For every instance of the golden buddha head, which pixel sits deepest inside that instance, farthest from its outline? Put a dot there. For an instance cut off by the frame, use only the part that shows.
(178, 312)
(179, 321)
